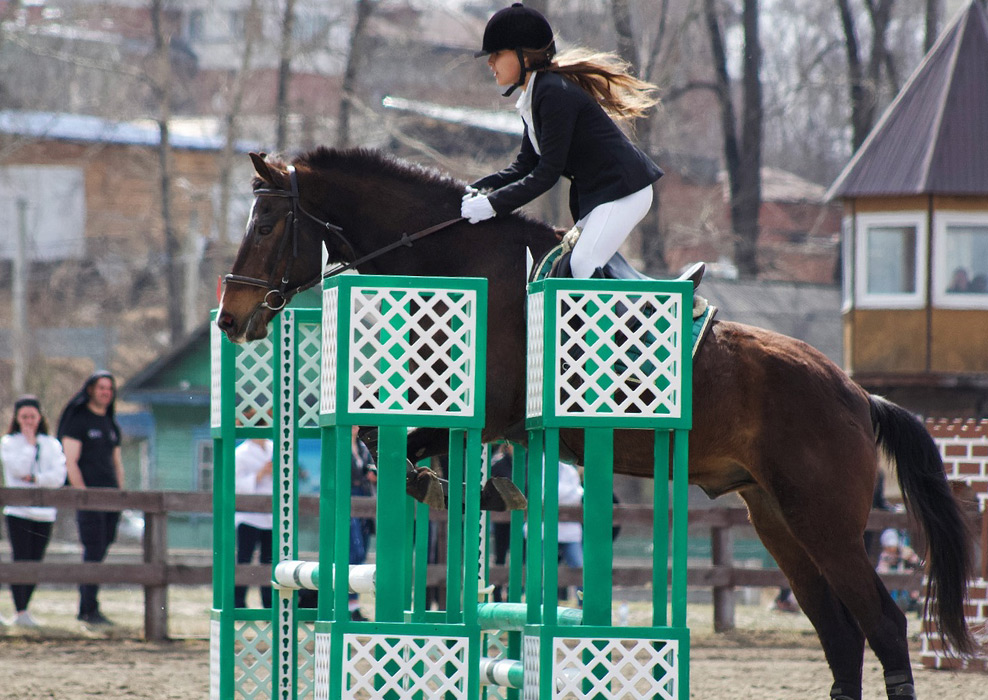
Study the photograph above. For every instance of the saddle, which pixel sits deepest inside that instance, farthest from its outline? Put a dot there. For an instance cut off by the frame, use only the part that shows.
(555, 264)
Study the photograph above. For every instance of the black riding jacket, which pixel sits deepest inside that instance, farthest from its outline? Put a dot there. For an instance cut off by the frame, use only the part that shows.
(578, 141)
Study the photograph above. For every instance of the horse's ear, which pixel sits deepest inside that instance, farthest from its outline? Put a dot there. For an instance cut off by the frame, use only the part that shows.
(264, 171)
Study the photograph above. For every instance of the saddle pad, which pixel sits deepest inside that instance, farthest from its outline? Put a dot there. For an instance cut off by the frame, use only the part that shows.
(703, 316)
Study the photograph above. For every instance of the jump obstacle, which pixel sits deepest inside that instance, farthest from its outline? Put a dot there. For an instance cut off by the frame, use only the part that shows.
(400, 353)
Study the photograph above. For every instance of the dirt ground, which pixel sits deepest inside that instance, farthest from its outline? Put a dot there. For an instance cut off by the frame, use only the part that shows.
(771, 655)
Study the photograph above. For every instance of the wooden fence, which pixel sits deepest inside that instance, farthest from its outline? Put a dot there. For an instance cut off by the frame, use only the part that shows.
(155, 573)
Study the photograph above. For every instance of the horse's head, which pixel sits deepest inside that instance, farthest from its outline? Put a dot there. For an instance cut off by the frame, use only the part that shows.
(279, 256)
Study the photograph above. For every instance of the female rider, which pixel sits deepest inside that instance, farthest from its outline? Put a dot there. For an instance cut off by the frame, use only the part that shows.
(568, 104)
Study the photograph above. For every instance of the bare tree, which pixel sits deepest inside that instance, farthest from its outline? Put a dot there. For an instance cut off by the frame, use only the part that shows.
(364, 10)
(742, 154)
(284, 74)
(932, 15)
(160, 79)
(643, 61)
(864, 79)
(253, 28)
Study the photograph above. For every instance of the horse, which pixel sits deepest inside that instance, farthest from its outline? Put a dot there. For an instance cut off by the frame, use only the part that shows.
(774, 420)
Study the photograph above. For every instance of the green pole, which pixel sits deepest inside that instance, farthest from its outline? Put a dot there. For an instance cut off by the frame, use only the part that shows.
(660, 530)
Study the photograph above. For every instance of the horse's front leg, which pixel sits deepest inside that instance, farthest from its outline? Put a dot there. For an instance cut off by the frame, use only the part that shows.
(425, 486)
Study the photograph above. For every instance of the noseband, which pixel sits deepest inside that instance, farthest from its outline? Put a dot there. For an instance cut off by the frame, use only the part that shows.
(281, 293)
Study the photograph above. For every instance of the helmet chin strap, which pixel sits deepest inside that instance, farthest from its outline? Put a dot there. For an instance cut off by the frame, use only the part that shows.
(521, 76)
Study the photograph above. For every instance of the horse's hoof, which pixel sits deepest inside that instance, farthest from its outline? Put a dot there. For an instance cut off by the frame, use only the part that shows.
(501, 494)
(424, 486)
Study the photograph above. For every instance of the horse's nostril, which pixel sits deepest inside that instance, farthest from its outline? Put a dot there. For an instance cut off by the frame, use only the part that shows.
(225, 321)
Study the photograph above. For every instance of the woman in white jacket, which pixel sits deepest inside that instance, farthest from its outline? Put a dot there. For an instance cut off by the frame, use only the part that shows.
(31, 458)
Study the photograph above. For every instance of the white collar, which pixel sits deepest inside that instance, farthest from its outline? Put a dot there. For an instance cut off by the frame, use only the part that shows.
(524, 107)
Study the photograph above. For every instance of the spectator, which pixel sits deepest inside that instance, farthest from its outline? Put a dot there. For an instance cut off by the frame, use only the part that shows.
(898, 557)
(363, 478)
(979, 285)
(254, 466)
(958, 281)
(501, 466)
(91, 441)
(570, 533)
(31, 459)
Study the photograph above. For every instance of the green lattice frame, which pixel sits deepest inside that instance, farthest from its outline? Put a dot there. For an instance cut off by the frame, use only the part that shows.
(615, 348)
(400, 616)
(279, 374)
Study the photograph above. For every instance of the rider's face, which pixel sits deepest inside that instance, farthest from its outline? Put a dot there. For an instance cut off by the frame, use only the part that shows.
(505, 66)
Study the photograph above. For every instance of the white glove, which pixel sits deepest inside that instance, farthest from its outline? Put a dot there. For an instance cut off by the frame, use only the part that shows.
(476, 209)
(470, 192)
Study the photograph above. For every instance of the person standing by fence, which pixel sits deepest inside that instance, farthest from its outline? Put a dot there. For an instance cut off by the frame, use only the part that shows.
(91, 441)
(254, 475)
(31, 458)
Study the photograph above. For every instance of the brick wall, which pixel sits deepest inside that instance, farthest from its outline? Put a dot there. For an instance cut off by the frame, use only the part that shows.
(964, 447)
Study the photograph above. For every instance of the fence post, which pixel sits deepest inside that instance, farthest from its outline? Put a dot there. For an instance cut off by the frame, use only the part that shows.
(156, 596)
(722, 554)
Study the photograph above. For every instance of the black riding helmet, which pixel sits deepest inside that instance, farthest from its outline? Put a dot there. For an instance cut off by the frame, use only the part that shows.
(519, 28)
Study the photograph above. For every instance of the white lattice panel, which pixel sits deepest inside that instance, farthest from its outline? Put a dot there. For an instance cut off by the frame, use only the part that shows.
(306, 660)
(308, 360)
(374, 665)
(615, 668)
(413, 352)
(530, 664)
(536, 360)
(255, 382)
(214, 659)
(619, 354)
(330, 342)
(324, 645)
(252, 660)
(215, 383)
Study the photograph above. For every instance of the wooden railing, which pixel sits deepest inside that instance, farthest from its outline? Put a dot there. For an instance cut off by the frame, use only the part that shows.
(155, 573)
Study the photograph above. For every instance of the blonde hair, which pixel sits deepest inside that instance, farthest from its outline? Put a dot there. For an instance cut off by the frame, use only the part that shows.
(606, 77)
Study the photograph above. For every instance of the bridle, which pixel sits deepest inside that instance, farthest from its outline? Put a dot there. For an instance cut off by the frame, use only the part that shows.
(281, 293)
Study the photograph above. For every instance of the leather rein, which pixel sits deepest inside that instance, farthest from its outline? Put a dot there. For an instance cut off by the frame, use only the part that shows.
(281, 293)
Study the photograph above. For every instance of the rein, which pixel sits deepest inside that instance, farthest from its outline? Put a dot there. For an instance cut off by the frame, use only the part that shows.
(281, 291)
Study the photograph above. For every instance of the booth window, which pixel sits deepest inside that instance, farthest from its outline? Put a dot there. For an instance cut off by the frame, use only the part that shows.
(961, 251)
(891, 260)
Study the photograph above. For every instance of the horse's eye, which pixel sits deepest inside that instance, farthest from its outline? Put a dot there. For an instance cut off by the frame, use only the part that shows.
(265, 230)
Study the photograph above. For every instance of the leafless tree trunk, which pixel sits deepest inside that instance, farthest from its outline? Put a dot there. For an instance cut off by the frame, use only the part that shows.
(643, 62)
(161, 81)
(932, 24)
(743, 156)
(864, 84)
(284, 75)
(364, 10)
(252, 24)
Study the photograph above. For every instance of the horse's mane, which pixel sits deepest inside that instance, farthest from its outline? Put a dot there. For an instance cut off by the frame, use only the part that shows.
(375, 163)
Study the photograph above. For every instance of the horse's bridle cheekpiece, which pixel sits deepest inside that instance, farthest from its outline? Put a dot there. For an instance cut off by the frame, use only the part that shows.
(281, 292)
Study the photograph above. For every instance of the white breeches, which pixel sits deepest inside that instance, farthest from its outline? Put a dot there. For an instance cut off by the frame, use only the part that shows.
(604, 230)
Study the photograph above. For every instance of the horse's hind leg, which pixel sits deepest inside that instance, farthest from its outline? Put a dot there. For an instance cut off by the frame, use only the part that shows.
(832, 535)
(840, 636)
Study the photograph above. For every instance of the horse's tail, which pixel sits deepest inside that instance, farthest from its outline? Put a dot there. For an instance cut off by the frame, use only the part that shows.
(905, 440)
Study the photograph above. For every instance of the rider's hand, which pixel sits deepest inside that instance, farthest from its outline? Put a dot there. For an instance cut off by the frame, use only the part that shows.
(470, 192)
(476, 209)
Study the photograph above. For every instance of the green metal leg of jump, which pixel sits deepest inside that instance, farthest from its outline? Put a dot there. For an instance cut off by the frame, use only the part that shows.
(334, 542)
(679, 539)
(224, 545)
(660, 531)
(598, 546)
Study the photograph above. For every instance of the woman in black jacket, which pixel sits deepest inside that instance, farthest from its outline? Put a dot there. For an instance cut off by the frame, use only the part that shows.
(568, 104)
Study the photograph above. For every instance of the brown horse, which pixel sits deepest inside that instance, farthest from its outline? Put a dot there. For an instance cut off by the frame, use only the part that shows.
(774, 420)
